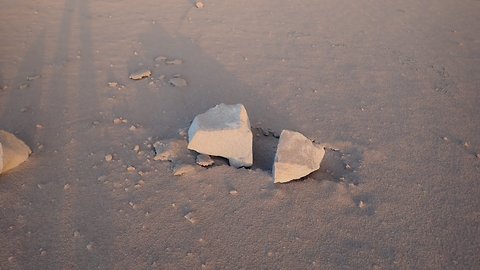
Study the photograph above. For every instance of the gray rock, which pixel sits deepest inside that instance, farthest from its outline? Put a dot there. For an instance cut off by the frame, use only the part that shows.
(296, 157)
(13, 151)
(140, 74)
(223, 130)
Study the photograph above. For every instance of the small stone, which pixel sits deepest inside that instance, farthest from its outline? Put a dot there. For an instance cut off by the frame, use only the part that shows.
(478, 155)
(13, 151)
(199, 4)
(177, 82)
(11, 259)
(108, 157)
(117, 121)
(190, 218)
(136, 148)
(223, 130)
(296, 157)
(132, 128)
(362, 205)
(23, 86)
(131, 169)
(76, 234)
(204, 160)
(174, 62)
(90, 246)
(113, 84)
(39, 126)
(183, 169)
(160, 59)
(43, 252)
(233, 192)
(466, 144)
(66, 187)
(445, 138)
(170, 150)
(140, 74)
(33, 77)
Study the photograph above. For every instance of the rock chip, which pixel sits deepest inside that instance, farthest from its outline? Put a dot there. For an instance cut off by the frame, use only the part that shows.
(13, 151)
(204, 160)
(177, 82)
(181, 169)
(140, 74)
(223, 130)
(296, 157)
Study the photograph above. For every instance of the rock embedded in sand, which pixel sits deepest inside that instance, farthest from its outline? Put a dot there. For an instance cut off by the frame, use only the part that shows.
(182, 169)
(177, 82)
(13, 151)
(296, 157)
(223, 130)
(140, 74)
(170, 150)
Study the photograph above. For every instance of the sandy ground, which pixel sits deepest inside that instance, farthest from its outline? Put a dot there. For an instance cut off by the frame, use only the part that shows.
(392, 85)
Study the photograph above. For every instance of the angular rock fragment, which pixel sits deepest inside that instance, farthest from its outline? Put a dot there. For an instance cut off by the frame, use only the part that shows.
(296, 157)
(174, 150)
(13, 151)
(204, 160)
(177, 82)
(140, 74)
(223, 130)
(181, 169)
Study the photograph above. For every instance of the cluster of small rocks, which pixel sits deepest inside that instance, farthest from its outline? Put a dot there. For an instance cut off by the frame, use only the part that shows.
(224, 131)
(175, 81)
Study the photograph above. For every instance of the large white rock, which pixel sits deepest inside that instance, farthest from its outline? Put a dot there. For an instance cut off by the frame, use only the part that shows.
(13, 151)
(296, 157)
(223, 130)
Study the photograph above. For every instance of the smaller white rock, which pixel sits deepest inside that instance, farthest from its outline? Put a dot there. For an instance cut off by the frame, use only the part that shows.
(296, 157)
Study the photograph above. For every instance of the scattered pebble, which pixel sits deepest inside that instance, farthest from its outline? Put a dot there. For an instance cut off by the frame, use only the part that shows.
(136, 148)
(11, 259)
(174, 62)
(445, 138)
(90, 246)
(43, 252)
(23, 86)
(199, 4)
(160, 58)
(76, 234)
(108, 157)
(204, 160)
(113, 84)
(177, 82)
(233, 192)
(466, 144)
(183, 169)
(117, 121)
(132, 128)
(131, 169)
(66, 186)
(33, 77)
(39, 126)
(478, 155)
(140, 74)
(362, 205)
(190, 218)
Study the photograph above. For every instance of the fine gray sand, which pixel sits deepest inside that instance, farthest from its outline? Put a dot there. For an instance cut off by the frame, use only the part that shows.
(392, 88)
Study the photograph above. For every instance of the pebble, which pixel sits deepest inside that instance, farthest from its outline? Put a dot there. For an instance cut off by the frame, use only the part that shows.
(90, 246)
(117, 121)
(233, 192)
(183, 169)
(131, 169)
(132, 128)
(11, 259)
(76, 234)
(136, 148)
(177, 82)
(204, 160)
(66, 187)
(140, 74)
(113, 84)
(174, 62)
(190, 218)
(33, 77)
(43, 252)
(362, 205)
(23, 86)
(39, 126)
(160, 58)
(199, 4)
(108, 157)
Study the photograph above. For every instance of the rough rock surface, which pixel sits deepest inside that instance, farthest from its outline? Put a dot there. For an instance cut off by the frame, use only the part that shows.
(223, 130)
(296, 157)
(13, 151)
